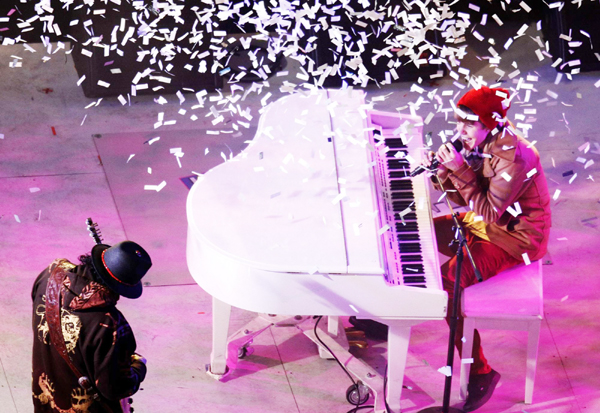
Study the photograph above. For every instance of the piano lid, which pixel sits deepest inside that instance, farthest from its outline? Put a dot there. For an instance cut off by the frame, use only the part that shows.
(278, 205)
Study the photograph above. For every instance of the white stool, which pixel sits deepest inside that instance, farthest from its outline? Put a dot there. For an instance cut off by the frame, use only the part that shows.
(511, 300)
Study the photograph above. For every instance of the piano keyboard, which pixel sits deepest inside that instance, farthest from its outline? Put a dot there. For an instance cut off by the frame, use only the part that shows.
(405, 214)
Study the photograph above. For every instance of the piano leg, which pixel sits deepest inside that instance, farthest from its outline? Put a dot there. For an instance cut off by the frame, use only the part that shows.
(398, 340)
(220, 324)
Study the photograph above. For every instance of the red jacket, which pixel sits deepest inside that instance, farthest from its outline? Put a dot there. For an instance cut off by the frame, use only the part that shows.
(511, 173)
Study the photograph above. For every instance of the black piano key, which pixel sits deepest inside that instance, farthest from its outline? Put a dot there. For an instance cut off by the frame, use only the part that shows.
(408, 226)
(417, 285)
(399, 173)
(410, 247)
(403, 228)
(413, 279)
(400, 206)
(411, 258)
(394, 155)
(414, 236)
(394, 143)
(412, 269)
(401, 184)
(403, 195)
(411, 216)
(398, 164)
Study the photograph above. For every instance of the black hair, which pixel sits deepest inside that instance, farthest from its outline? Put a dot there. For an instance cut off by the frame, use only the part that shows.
(86, 261)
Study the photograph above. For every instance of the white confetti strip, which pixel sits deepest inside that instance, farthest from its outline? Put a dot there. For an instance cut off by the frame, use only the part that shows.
(156, 188)
(526, 258)
(446, 371)
(506, 176)
(130, 156)
(467, 361)
(32, 190)
(383, 229)
(556, 194)
(572, 179)
(17, 219)
(565, 298)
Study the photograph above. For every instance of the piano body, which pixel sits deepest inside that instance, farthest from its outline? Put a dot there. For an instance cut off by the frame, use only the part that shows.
(298, 224)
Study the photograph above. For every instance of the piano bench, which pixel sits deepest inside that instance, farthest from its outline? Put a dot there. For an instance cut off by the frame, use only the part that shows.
(511, 300)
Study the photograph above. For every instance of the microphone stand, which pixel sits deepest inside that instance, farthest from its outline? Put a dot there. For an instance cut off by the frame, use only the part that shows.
(462, 242)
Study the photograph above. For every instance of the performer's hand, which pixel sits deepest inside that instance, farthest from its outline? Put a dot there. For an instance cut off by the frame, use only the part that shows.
(449, 157)
(427, 159)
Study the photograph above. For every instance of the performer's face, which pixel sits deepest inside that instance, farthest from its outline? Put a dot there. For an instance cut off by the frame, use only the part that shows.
(472, 133)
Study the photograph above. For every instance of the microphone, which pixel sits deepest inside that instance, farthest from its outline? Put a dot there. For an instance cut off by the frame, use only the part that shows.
(458, 145)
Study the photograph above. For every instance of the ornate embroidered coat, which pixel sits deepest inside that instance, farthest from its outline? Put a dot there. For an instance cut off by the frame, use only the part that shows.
(98, 340)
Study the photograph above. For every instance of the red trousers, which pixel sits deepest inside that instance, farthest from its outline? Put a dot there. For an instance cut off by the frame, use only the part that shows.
(489, 259)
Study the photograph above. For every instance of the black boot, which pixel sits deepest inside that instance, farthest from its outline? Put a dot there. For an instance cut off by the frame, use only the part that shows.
(480, 389)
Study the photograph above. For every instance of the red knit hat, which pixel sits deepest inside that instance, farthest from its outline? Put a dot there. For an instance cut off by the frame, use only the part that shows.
(489, 104)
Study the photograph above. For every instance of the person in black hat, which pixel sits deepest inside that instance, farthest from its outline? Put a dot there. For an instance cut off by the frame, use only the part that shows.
(102, 367)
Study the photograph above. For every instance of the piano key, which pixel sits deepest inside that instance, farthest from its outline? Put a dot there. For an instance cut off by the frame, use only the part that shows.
(413, 279)
(394, 143)
(401, 184)
(411, 216)
(394, 154)
(410, 247)
(399, 173)
(409, 227)
(411, 258)
(403, 195)
(412, 269)
(409, 236)
(400, 206)
(398, 164)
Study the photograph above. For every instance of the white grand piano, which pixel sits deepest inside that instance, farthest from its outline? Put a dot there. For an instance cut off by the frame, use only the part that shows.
(315, 217)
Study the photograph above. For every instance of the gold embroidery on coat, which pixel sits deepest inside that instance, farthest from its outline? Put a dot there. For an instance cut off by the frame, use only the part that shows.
(81, 400)
(71, 326)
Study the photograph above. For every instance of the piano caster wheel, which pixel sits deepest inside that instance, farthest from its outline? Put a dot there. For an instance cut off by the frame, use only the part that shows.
(245, 350)
(357, 394)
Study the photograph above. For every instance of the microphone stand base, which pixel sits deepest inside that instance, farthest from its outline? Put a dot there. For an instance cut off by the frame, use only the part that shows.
(440, 409)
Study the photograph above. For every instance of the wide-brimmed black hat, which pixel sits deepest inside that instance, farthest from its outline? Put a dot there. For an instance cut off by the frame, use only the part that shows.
(122, 267)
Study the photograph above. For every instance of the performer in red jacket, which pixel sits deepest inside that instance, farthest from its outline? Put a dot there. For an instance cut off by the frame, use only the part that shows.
(499, 178)
(97, 338)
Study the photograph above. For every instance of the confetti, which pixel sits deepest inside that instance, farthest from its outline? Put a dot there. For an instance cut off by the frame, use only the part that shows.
(17, 219)
(383, 229)
(446, 371)
(156, 188)
(32, 190)
(556, 194)
(572, 179)
(526, 258)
